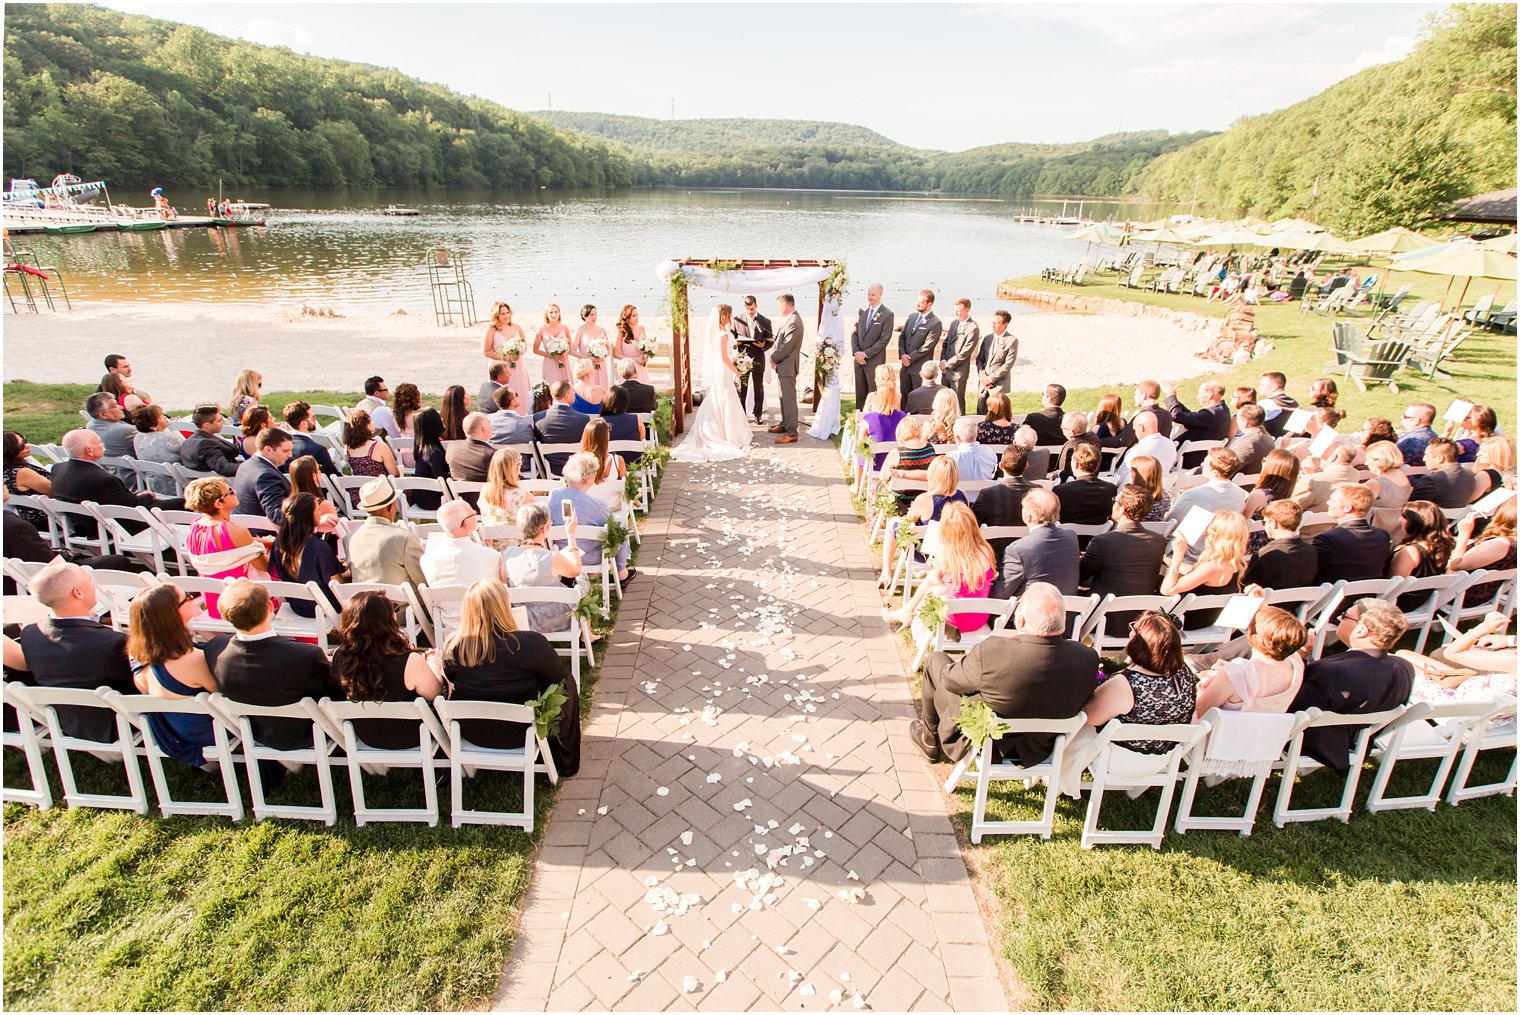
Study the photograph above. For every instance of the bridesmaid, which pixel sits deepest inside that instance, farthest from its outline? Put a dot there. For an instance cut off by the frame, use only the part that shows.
(630, 334)
(494, 347)
(556, 367)
(586, 334)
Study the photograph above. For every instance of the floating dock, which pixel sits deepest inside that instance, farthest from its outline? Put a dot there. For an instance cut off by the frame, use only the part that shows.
(19, 224)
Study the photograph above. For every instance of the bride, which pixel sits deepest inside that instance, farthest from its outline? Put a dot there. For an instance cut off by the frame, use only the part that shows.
(720, 431)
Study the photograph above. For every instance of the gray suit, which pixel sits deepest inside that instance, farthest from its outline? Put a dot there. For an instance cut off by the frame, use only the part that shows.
(870, 339)
(1002, 354)
(785, 357)
(918, 342)
(961, 344)
(1046, 554)
(382, 551)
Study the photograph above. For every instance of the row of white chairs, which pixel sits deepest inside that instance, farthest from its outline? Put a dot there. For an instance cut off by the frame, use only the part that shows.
(334, 740)
(1453, 735)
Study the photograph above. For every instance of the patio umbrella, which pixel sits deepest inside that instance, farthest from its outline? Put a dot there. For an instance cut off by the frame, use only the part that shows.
(1297, 225)
(1397, 240)
(1230, 235)
(1160, 236)
(1504, 244)
(1096, 233)
(1464, 258)
(1194, 230)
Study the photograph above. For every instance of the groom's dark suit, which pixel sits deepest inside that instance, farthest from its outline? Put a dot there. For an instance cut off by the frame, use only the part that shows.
(753, 338)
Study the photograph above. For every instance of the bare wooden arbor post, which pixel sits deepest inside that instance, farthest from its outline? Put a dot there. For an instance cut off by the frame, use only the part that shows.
(680, 325)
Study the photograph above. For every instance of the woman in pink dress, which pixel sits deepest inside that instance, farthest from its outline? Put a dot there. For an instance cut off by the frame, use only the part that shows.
(630, 335)
(553, 343)
(591, 339)
(505, 343)
(218, 546)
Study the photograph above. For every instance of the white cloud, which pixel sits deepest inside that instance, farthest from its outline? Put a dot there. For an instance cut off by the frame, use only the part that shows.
(276, 32)
(1168, 28)
(1396, 47)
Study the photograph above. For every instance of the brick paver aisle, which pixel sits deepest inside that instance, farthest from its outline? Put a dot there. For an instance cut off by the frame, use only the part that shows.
(751, 827)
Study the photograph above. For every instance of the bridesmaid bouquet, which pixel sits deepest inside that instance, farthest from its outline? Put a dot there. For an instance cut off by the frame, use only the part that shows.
(646, 345)
(825, 363)
(557, 347)
(513, 348)
(598, 348)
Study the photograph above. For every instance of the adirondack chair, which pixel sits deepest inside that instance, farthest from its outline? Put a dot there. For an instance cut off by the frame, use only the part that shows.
(1430, 362)
(1495, 320)
(1391, 303)
(1133, 282)
(1378, 363)
(1480, 309)
(1345, 340)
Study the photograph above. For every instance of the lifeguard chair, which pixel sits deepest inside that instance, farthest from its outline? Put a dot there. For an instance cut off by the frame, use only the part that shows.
(452, 294)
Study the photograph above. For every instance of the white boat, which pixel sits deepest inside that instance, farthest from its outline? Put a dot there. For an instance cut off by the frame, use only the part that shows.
(397, 210)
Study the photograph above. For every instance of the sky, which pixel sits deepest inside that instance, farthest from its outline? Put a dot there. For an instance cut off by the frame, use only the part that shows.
(942, 76)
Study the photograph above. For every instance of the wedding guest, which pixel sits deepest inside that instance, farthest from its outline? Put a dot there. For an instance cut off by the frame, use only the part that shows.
(881, 413)
(1048, 553)
(504, 342)
(868, 340)
(611, 470)
(1494, 466)
(1424, 551)
(121, 389)
(306, 477)
(218, 546)
(1418, 432)
(1086, 499)
(913, 454)
(508, 424)
(942, 417)
(206, 450)
(592, 346)
(631, 337)
(503, 494)
(1287, 561)
(1493, 550)
(373, 661)
(1265, 681)
(641, 395)
(301, 555)
(1001, 504)
(376, 394)
(256, 420)
(533, 563)
(432, 461)
(82, 479)
(1276, 404)
(106, 422)
(1355, 549)
(166, 663)
(579, 473)
(962, 567)
(1253, 441)
(301, 424)
(453, 557)
(976, 462)
(469, 460)
(452, 411)
(260, 484)
(1074, 429)
(496, 378)
(562, 423)
(997, 426)
(942, 478)
(366, 453)
(1146, 473)
(1147, 403)
(1046, 422)
(1108, 421)
(246, 391)
(1390, 488)
(404, 405)
(1148, 442)
(1477, 666)
(1277, 481)
(380, 551)
(1377, 430)
(1318, 478)
(1323, 393)
(1447, 483)
(622, 425)
(1479, 425)
(22, 476)
(1221, 562)
(555, 336)
(1126, 560)
(1209, 422)
(1244, 395)
(118, 364)
(922, 398)
(1039, 458)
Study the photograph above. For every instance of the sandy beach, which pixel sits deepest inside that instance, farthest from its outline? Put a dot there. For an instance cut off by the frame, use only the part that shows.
(184, 353)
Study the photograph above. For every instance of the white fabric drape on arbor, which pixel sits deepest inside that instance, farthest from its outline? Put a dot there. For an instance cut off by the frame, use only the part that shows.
(760, 280)
(831, 330)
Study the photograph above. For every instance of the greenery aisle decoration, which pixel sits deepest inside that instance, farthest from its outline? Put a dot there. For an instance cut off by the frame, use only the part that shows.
(547, 708)
(931, 611)
(979, 724)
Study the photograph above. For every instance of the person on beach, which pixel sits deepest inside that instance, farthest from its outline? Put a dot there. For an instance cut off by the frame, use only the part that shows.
(591, 344)
(631, 341)
(553, 344)
(505, 342)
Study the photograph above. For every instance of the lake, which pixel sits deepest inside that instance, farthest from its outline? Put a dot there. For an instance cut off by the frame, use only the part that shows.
(334, 248)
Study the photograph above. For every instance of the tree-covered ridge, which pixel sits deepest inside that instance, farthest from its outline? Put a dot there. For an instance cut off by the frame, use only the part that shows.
(1109, 165)
(729, 134)
(133, 100)
(1392, 145)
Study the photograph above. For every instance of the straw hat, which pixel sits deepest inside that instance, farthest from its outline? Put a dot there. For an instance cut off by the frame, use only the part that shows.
(376, 495)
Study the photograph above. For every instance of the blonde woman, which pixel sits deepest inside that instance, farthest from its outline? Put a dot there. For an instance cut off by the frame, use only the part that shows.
(553, 344)
(1219, 566)
(611, 470)
(946, 410)
(218, 546)
(881, 414)
(505, 342)
(1390, 488)
(630, 336)
(246, 392)
(589, 394)
(1494, 466)
(963, 568)
(503, 496)
(592, 345)
(942, 479)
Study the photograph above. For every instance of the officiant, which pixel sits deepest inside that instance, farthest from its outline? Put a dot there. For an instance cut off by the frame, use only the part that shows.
(752, 336)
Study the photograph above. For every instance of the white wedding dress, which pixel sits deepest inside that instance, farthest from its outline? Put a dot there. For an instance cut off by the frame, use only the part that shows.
(720, 431)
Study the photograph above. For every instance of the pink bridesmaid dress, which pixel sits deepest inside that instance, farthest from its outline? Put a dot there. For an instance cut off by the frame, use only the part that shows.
(630, 350)
(517, 375)
(558, 371)
(599, 370)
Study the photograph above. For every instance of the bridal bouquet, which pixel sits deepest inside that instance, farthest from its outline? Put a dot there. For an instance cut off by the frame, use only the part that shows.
(557, 346)
(513, 348)
(646, 345)
(825, 363)
(598, 348)
(743, 363)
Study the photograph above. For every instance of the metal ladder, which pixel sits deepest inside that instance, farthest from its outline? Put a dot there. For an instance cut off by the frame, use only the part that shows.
(452, 294)
(33, 287)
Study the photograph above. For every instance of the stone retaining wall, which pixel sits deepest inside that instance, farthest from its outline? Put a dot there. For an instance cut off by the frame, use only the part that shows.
(1079, 303)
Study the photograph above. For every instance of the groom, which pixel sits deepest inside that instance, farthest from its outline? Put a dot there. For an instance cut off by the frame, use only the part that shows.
(785, 357)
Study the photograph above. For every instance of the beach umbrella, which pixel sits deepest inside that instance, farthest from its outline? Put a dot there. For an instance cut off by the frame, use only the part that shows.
(1141, 227)
(1096, 233)
(1460, 258)
(1297, 225)
(1504, 244)
(1197, 229)
(1230, 234)
(1397, 240)
(1163, 235)
(1252, 222)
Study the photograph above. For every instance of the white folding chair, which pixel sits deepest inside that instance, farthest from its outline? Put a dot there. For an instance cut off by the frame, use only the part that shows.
(185, 476)
(545, 450)
(238, 718)
(445, 605)
(1097, 621)
(459, 487)
(1322, 619)
(465, 757)
(574, 639)
(1495, 732)
(1117, 767)
(989, 771)
(1296, 762)
(147, 544)
(646, 483)
(1078, 609)
(1227, 731)
(201, 623)
(172, 531)
(1428, 732)
(409, 484)
(258, 525)
(80, 528)
(1200, 639)
(46, 701)
(1499, 599)
(345, 494)
(157, 477)
(288, 622)
(116, 589)
(54, 532)
(21, 572)
(1163, 527)
(362, 756)
(1436, 591)
(938, 639)
(411, 622)
(136, 708)
(612, 585)
(904, 566)
(29, 737)
(1301, 602)
(121, 467)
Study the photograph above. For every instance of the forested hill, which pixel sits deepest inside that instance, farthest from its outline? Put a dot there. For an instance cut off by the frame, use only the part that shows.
(705, 135)
(131, 99)
(1391, 145)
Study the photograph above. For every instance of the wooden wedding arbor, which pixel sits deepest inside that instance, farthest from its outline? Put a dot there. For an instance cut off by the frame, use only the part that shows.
(747, 273)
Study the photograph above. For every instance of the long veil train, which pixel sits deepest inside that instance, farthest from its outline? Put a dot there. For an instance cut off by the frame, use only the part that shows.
(720, 431)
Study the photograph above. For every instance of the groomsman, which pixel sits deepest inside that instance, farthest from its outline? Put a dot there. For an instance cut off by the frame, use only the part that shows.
(787, 353)
(962, 341)
(918, 341)
(1002, 353)
(868, 342)
(757, 327)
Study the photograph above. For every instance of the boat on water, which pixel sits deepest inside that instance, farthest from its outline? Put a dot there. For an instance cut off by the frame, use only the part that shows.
(70, 229)
(143, 226)
(397, 211)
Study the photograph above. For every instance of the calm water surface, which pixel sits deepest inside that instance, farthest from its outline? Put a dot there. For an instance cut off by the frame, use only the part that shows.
(335, 249)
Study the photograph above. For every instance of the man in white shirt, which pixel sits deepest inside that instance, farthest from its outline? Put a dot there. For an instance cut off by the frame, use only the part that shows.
(451, 557)
(975, 461)
(1148, 442)
(376, 394)
(1218, 494)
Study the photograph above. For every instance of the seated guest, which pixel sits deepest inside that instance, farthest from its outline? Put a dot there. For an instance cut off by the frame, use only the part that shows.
(373, 662)
(260, 485)
(1209, 422)
(1244, 395)
(1277, 481)
(1323, 393)
(1126, 560)
(1046, 423)
(496, 378)
(586, 393)
(1253, 441)
(1086, 499)
(255, 421)
(81, 478)
(380, 416)
(1034, 673)
(207, 450)
(452, 411)
(1220, 564)
(997, 426)
(155, 442)
(428, 451)
(882, 413)
(1047, 554)
(1276, 404)
(106, 416)
(1287, 561)
(451, 557)
(470, 459)
(366, 453)
(940, 428)
(1001, 504)
(1418, 432)
(532, 563)
(1494, 466)
(118, 365)
(1365, 679)
(300, 554)
(1318, 477)
(1265, 681)
(1074, 428)
(1377, 430)
(72, 649)
(1494, 550)
(218, 546)
(1478, 666)
(167, 664)
(1147, 403)
(1037, 464)
(976, 462)
(611, 471)
(1447, 483)
(942, 481)
(1390, 488)
(503, 495)
(1218, 494)
(622, 425)
(246, 392)
(1425, 549)
(961, 567)
(1479, 426)
(22, 476)
(562, 423)
(1108, 421)
(1355, 549)
(641, 396)
(1150, 443)
(913, 455)
(380, 551)
(508, 424)
(579, 474)
(301, 424)
(1145, 472)
(404, 406)
(920, 400)
(255, 666)
(487, 658)
(305, 477)
(1321, 419)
